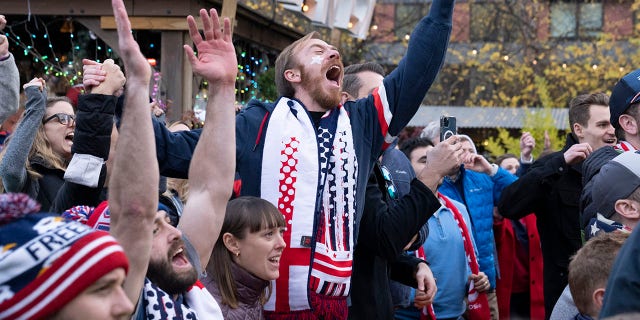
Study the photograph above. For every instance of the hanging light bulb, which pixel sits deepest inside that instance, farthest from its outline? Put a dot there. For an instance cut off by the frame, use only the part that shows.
(67, 26)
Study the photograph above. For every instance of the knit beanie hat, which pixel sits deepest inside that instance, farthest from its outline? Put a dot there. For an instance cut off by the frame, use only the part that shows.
(99, 218)
(46, 261)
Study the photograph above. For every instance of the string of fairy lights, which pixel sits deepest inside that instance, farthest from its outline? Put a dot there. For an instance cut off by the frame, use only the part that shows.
(29, 34)
(33, 38)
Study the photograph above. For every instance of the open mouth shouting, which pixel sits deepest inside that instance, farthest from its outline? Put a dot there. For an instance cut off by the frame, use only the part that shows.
(179, 258)
(333, 74)
(69, 137)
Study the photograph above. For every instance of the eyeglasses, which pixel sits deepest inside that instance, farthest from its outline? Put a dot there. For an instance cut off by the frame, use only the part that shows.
(63, 118)
(391, 187)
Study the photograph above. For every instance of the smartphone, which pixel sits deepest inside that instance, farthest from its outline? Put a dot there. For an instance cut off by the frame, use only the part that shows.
(447, 127)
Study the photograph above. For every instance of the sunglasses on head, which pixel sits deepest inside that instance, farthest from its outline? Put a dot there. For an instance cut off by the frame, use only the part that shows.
(63, 118)
(388, 181)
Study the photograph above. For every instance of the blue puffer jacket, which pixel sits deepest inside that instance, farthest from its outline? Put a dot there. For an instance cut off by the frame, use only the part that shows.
(481, 194)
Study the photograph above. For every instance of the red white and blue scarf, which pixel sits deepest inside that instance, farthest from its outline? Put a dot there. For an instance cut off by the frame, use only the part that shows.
(302, 168)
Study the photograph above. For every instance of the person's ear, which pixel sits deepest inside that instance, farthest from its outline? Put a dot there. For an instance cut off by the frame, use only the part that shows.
(577, 129)
(628, 209)
(628, 124)
(292, 75)
(344, 97)
(231, 242)
(597, 298)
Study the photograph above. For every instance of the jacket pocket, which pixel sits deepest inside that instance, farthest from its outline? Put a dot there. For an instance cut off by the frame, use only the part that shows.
(568, 213)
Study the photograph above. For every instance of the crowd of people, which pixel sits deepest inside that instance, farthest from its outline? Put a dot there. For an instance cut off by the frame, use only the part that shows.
(308, 207)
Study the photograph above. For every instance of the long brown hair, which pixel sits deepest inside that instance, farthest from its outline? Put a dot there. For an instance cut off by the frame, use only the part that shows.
(244, 215)
(41, 148)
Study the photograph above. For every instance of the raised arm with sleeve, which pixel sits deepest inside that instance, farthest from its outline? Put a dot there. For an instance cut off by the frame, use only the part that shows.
(86, 174)
(133, 198)
(13, 166)
(211, 174)
(530, 192)
(404, 90)
(9, 81)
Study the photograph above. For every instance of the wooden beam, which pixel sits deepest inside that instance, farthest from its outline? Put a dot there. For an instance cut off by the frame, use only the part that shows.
(187, 82)
(172, 58)
(150, 23)
(175, 8)
(110, 37)
(229, 8)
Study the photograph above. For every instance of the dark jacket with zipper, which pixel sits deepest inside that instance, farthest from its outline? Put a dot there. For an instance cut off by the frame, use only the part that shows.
(551, 189)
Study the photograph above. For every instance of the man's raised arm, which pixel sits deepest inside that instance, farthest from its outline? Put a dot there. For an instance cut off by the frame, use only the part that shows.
(212, 168)
(133, 198)
(407, 85)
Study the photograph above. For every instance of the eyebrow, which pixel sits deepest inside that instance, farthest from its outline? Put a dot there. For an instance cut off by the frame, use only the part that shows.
(110, 279)
(323, 47)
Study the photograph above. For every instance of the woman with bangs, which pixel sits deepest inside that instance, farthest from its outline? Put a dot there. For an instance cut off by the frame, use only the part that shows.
(246, 257)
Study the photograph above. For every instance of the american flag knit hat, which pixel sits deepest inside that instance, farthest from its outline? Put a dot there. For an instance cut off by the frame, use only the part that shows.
(46, 260)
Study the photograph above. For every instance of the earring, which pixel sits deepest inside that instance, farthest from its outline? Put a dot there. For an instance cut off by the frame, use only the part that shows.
(237, 253)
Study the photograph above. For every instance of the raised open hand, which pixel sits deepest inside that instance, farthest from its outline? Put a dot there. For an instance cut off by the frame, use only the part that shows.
(136, 66)
(216, 60)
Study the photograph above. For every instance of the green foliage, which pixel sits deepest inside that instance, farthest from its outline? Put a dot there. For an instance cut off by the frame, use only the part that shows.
(267, 85)
(502, 144)
(538, 121)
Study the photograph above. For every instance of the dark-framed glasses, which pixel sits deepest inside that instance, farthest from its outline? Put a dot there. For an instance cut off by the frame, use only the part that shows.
(63, 118)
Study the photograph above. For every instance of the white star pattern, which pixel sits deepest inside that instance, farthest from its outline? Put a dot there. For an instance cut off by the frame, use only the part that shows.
(594, 229)
(316, 60)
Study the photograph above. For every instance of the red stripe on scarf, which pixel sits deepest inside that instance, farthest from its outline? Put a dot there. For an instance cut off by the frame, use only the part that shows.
(380, 108)
(479, 307)
(290, 256)
(427, 313)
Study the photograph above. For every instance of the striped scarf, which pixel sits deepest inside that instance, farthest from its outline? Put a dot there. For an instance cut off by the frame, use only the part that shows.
(478, 305)
(625, 146)
(311, 176)
(196, 303)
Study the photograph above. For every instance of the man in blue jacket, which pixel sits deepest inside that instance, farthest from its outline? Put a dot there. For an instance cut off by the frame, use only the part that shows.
(478, 185)
(311, 157)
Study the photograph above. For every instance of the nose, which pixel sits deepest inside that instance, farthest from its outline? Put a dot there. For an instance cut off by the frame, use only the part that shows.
(280, 244)
(174, 233)
(334, 54)
(122, 306)
(611, 130)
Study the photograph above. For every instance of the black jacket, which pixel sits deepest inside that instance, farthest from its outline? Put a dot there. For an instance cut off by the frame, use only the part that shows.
(385, 229)
(551, 189)
(94, 122)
